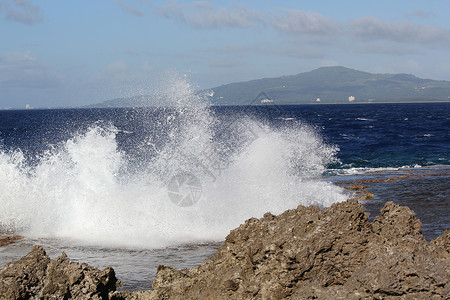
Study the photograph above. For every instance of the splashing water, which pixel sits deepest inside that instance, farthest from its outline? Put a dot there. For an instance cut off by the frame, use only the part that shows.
(87, 190)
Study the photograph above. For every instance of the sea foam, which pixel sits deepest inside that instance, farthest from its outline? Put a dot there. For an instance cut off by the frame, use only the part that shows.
(86, 189)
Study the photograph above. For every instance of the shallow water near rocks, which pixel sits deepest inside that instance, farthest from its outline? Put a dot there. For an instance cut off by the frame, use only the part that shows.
(136, 268)
(94, 182)
(424, 190)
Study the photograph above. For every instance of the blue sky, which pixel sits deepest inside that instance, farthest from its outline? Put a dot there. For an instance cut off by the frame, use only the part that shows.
(71, 53)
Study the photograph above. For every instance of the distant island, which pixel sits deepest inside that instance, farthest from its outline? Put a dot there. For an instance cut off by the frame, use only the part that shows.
(330, 85)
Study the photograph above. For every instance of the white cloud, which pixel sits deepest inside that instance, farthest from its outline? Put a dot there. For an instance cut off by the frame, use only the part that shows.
(204, 15)
(402, 32)
(22, 70)
(298, 22)
(129, 8)
(23, 11)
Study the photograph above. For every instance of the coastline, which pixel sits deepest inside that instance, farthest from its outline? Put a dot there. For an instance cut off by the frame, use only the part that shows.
(139, 268)
(422, 189)
(9, 239)
(422, 101)
(334, 252)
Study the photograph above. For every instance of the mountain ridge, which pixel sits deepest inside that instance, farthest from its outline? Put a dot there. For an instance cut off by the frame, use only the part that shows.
(336, 84)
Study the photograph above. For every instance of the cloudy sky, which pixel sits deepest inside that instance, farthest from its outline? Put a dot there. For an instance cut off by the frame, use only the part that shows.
(70, 53)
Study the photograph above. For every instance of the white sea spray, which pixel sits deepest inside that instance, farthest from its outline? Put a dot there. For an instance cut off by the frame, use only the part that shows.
(85, 190)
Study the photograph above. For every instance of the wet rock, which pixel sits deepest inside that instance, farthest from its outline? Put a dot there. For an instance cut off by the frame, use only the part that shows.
(307, 253)
(6, 240)
(36, 276)
(303, 253)
(23, 279)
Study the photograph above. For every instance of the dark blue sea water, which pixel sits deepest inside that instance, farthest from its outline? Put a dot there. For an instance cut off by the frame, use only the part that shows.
(368, 135)
(99, 183)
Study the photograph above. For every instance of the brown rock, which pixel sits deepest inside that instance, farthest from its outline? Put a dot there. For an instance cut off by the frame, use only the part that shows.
(307, 253)
(24, 278)
(6, 240)
(304, 253)
(37, 276)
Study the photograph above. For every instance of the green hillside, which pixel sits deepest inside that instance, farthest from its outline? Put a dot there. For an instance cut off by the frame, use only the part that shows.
(335, 85)
(329, 84)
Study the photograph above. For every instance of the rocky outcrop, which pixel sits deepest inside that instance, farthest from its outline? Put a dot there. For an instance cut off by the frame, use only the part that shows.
(9, 239)
(304, 253)
(36, 276)
(307, 253)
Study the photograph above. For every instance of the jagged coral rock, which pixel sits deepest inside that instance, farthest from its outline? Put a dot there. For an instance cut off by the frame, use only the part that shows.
(303, 253)
(6, 240)
(36, 276)
(308, 253)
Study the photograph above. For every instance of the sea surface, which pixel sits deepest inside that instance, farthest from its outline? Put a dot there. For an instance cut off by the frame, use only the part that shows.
(134, 188)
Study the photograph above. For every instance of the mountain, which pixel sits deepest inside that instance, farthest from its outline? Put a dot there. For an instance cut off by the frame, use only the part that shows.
(322, 85)
(335, 85)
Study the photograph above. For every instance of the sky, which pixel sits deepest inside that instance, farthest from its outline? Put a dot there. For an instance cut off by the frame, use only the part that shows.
(73, 53)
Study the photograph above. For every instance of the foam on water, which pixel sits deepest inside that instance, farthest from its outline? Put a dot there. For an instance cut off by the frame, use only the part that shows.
(86, 191)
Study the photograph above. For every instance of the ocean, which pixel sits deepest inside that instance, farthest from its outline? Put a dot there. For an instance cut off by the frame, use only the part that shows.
(134, 188)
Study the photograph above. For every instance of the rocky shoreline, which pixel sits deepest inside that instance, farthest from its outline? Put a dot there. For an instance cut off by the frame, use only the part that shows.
(9, 239)
(303, 253)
